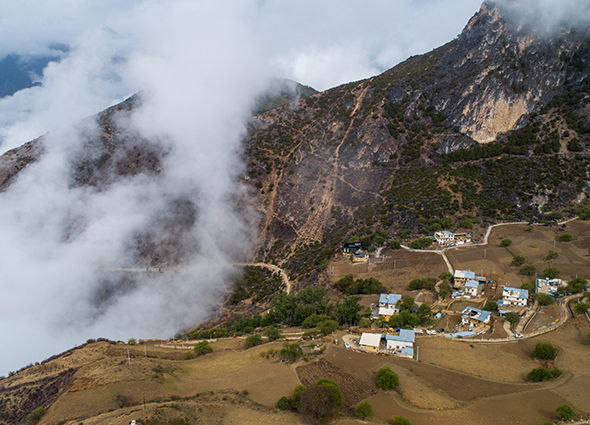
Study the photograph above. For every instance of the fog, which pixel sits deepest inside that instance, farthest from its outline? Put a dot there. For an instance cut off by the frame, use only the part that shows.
(546, 16)
(199, 66)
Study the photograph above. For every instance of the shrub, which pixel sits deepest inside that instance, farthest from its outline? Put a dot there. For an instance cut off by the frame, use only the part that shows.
(295, 399)
(579, 284)
(518, 260)
(565, 412)
(131, 341)
(424, 283)
(248, 329)
(545, 299)
(543, 374)
(364, 410)
(491, 306)
(581, 308)
(551, 255)
(386, 378)
(545, 351)
(528, 286)
(318, 403)
(551, 273)
(252, 341)
(400, 420)
(202, 347)
(566, 237)
(511, 317)
(291, 351)
(505, 242)
(272, 333)
(467, 223)
(395, 245)
(528, 270)
(35, 416)
(284, 403)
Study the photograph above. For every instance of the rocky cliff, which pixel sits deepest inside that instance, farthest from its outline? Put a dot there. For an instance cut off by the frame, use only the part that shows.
(492, 125)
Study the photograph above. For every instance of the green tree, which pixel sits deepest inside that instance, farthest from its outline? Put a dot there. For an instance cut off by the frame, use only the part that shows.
(295, 399)
(406, 233)
(518, 260)
(551, 255)
(328, 326)
(491, 306)
(318, 404)
(511, 317)
(581, 308)
(131, 341)
(395, 245)
(544, 299)
(417, 244)
(404, 319)
(528, 270)
(333, 385)
(347, 312)
(202, 347)
(272, 333)
(579, 284)
(545, 351)
(364, 410)
(424, 310)
(528, 286)
(565, 412)
(252, 341)
(400, 420)
(35, 416)
(445, 276)
(551, 273)
(386, 378)
(505, 242)
(284, 403)
(291, 351)
(566, 237)
(467, 223)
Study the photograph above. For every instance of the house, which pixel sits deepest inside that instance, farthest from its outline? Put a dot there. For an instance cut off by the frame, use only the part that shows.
(473, 288)
(370, 342)
(444, 237)
(513, 296)
(462, 238)
(398, 342)
(462, 276)
(386, 313)
(547, 286)
(474, 316)
(354, 251)
(390, 301)
(351, 248)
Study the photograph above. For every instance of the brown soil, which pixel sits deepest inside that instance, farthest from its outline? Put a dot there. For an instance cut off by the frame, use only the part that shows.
(353, 390)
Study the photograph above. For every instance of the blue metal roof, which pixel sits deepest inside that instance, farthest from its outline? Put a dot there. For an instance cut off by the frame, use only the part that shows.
(389, 298)
(464, 274)
(476, 314)
(405, 335)
(522, 293)
(472, 284)
(409, 351)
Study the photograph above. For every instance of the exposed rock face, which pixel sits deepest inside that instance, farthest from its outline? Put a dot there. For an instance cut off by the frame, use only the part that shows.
(371, 154)
(496, 74)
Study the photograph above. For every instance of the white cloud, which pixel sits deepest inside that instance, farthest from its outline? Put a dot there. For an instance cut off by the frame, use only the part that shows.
(200, 65)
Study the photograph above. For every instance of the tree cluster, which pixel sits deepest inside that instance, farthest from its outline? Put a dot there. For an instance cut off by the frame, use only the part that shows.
(351, 286)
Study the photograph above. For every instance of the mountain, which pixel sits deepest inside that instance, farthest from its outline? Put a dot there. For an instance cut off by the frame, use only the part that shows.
(493, 125)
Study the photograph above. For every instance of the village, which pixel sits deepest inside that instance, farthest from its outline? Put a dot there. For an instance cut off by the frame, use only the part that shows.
(477, 309)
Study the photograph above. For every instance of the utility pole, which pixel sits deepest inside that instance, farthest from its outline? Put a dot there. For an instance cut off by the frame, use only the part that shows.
(128, 357)
(145, 349)
(484, 253)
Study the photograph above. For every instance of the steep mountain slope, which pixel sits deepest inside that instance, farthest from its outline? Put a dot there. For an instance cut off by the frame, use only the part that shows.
(492, 125)
(403, 149)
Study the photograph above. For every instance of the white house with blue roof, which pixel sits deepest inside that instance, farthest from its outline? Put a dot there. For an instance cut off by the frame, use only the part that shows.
(444, 237)
(474, 316)
(389, 301)
(405, 339)
(462, 276)
(513, 296)
(473, 288)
